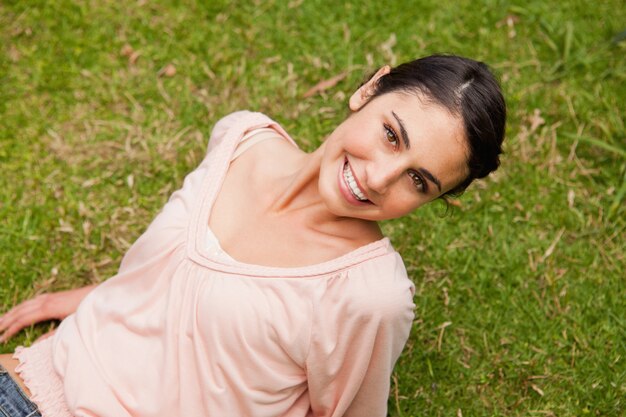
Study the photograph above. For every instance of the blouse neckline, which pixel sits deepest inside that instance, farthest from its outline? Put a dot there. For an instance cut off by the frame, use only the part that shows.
(219, 160)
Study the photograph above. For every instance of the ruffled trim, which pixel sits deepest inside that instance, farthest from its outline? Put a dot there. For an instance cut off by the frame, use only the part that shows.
(42, 380)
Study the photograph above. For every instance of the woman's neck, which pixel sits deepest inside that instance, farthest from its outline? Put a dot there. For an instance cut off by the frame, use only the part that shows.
(298, 193)
(298, 188)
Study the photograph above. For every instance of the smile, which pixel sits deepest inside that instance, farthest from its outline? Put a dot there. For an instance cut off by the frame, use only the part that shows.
(353, 185)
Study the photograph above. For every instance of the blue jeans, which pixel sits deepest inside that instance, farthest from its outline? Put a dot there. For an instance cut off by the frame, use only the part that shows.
(13, 401)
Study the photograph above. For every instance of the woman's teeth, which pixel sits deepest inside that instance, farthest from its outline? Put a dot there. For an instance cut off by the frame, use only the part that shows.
(352, 185)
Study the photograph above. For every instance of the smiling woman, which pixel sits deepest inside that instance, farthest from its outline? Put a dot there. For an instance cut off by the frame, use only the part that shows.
(265, 287)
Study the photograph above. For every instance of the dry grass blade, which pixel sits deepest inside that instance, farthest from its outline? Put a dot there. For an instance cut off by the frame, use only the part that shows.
(442, 329)
(550, 249)
(324, 85)
(537, 389)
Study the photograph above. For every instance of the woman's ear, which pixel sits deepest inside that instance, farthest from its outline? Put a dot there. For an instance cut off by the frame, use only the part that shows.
(363, 94)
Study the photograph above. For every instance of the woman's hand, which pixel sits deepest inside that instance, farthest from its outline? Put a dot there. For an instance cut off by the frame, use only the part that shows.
(51, 306)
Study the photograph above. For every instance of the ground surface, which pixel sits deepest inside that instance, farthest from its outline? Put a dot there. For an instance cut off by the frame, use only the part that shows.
(106, 105)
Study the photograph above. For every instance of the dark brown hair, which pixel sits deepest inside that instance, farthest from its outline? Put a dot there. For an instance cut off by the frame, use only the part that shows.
(467, 89)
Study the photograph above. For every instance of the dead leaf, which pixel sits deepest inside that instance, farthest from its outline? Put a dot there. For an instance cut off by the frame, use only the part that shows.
(65, 227)
(126, 50)
(129, 52)
(87, 227)
(268, 61)
(325, 85)
(134, 57)
(169, 71)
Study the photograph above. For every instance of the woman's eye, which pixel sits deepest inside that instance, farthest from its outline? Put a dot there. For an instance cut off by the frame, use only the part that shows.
(418, 181)
(390, 135)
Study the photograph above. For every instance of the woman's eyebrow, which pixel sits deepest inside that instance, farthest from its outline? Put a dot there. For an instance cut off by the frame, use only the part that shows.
(430, 176)
(405, 136)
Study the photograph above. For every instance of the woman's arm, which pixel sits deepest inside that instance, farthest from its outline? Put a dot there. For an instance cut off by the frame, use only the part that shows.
(360, 327)
(49, 306)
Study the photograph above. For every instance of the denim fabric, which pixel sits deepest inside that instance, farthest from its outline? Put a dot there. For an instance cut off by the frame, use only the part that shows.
(13, 401)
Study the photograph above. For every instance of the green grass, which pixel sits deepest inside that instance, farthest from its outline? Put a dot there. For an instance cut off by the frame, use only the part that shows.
(520, 289)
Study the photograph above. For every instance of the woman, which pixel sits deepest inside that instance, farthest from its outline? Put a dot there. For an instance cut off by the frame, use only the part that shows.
(265, 287)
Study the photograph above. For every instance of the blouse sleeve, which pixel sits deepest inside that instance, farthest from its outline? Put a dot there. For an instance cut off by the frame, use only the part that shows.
(168, 229)
(361, 325)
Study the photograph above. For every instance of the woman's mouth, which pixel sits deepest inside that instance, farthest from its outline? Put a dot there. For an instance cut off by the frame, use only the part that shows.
(353, 185)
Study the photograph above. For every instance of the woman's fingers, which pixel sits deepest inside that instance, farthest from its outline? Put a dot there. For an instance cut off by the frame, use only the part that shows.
(52, 306)
(10, 332)
(23, 315)
(8, 319)
(27, 308)
(15, 320)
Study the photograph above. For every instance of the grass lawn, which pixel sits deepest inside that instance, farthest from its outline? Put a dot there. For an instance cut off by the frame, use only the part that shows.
(106, 105)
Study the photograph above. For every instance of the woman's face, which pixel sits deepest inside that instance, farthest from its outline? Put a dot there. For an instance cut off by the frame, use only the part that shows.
(391, 156)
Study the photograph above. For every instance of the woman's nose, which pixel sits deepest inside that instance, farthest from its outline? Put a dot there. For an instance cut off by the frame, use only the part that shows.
(381, 174)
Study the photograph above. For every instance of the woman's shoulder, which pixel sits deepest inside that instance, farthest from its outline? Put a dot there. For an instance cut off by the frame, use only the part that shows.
(235, 125)
(260, 141)
(243, 121)
(238, 117)
(381, 281)
(384, 269)
(375, 291)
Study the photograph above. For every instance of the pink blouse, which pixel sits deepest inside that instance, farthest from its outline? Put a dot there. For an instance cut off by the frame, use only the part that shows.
(182, 330)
